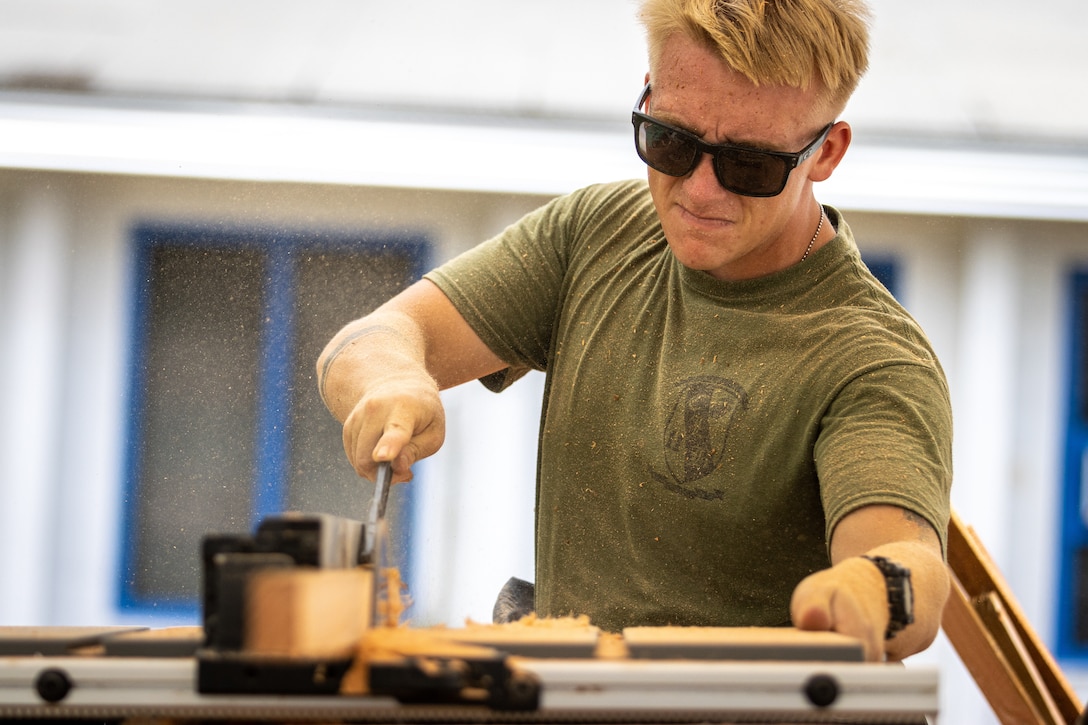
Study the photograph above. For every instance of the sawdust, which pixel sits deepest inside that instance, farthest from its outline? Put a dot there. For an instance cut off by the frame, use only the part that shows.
(391, 639)
(532, 620)
(571, 632)
(393, 597)
(390, 644)
(611, 646)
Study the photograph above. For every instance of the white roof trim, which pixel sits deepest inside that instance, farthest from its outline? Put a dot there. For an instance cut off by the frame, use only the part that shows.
(263, 147)
(961, 182)
(522, 158)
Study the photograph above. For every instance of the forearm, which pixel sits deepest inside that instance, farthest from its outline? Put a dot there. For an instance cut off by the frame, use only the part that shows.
(379, 347)
(851, 597)
(380, 377)
(373, 377)
(908, 540)
(929, 584)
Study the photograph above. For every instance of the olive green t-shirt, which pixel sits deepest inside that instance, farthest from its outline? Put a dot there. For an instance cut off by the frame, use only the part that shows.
(700, 439)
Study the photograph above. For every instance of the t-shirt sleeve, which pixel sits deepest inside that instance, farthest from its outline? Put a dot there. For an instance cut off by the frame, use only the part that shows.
(886, 439)
(510, 289)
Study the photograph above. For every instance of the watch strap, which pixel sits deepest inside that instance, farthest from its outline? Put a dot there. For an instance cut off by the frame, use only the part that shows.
(900, 594)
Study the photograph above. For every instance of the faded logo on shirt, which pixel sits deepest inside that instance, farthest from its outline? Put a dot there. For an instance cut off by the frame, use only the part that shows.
(704, 410)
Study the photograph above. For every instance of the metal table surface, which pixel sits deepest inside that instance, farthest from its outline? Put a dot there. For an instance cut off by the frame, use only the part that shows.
(118, 688)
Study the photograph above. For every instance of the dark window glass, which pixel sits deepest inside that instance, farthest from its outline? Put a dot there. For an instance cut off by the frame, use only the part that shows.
(199, 410)
(227, 425)
(1080, 599)
(1073, 566)
(887, 271)
(332, 288)
(1080, 388)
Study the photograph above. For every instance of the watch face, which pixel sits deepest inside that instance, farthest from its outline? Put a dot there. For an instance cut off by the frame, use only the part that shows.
(900, 594)
(907, 594)
(908, 598)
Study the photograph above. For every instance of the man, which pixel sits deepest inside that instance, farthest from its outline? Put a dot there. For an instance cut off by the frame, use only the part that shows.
(741, 426)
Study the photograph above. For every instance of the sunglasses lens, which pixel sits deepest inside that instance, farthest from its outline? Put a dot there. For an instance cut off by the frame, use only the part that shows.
(750, 172)
(665, 150)
(744, 172)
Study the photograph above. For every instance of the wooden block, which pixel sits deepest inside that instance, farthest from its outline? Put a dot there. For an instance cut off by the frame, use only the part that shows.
(741, 643)
(308, 612)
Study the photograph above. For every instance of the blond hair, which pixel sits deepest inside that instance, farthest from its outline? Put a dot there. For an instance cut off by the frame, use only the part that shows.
(772, 42)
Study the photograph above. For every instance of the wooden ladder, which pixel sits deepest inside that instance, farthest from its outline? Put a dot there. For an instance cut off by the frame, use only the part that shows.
(1004, 655)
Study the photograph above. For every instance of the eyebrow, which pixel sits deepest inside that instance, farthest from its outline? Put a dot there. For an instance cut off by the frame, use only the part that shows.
(747, 145)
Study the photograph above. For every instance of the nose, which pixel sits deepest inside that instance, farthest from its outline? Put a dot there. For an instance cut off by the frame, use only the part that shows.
(702, 181)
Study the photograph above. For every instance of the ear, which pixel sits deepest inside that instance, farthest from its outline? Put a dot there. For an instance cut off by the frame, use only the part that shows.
(831, 152)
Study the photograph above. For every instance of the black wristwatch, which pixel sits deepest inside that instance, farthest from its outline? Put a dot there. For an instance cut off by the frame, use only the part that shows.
(900, 594)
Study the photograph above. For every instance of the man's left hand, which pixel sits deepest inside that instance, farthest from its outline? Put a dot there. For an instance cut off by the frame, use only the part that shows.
(848, 598)
(851, 597)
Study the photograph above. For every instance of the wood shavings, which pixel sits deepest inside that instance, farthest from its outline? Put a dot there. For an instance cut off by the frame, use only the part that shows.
(394, 643)
(393, 597)
(532, 620)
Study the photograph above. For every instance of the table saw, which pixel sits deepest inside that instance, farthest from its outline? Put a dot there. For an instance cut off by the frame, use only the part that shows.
(290, 634)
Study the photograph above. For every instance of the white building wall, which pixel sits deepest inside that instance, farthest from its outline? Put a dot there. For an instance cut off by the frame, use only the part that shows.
(1051, 253)
(479, 493)
(983, 386)
(34, 296)
(90, 436)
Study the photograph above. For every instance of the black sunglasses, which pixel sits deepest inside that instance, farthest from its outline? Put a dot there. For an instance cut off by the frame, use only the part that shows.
(741, 170)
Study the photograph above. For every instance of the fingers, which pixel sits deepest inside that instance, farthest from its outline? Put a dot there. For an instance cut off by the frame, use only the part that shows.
(403, 442)
(401, 430)
(843, 599)
(812, 612)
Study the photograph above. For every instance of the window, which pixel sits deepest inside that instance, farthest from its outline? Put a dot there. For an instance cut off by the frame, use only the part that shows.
(226, 425)
(886, 270)
(1073, 566)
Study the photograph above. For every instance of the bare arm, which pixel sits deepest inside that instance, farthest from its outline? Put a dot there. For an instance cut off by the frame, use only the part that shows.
(851, 596)
(381, 374)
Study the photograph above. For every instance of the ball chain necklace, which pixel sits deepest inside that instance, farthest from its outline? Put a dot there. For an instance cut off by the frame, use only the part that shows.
(813, 240)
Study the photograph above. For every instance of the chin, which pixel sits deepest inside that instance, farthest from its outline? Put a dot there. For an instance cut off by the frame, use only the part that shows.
(696, 255)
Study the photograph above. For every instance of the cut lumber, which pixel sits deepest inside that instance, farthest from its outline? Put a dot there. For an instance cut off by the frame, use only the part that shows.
(308, 612)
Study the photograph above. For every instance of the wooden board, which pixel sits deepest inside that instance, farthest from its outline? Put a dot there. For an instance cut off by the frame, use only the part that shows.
(997, 644)
(52, 641)
(984, 661)
(1002, 628)
(528, 641)
(165, 642)
(741, 643)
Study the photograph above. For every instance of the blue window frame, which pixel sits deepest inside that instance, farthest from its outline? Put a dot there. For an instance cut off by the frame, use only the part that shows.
(885, 269)
(225, 424)
(1072, 614)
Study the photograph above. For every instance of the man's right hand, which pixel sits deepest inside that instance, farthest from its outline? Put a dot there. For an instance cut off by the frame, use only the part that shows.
(400, 420)
(380, 376)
